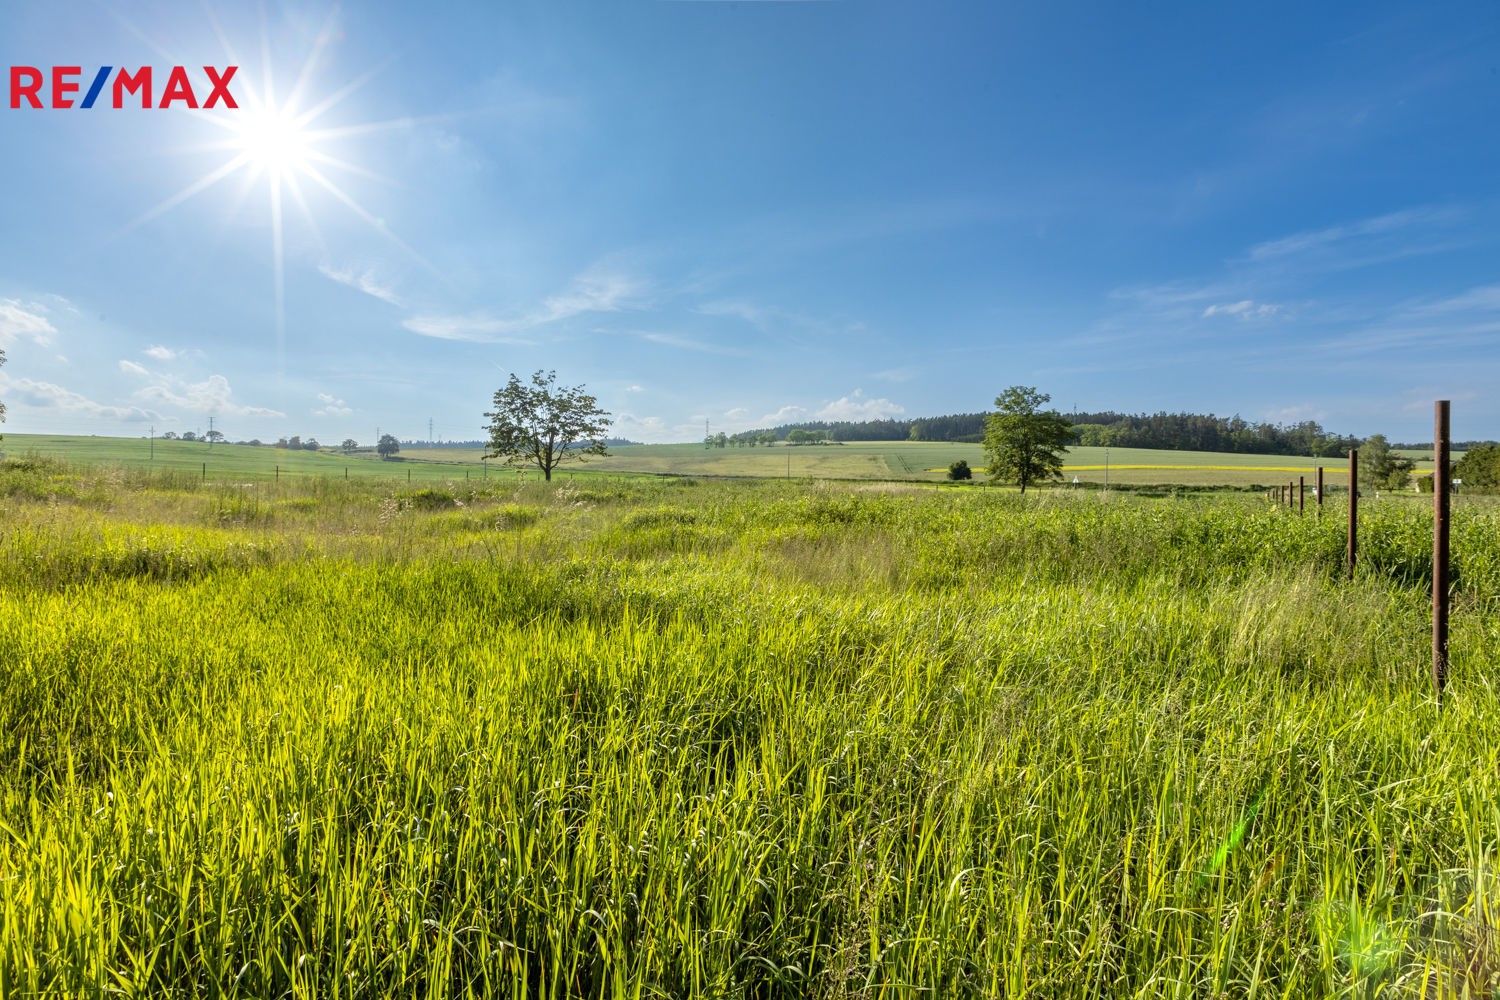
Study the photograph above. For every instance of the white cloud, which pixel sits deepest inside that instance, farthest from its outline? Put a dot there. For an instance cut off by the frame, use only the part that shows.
(634, 388)
(332, 407)
(591, 292)
(738, 413)
(47, 395)
(1244, 309)
(364, 281)
(786, 415)
(131, 368)
(24, 319)
(160, 353)
(1296, 413)
(212, 395)
(856, 406)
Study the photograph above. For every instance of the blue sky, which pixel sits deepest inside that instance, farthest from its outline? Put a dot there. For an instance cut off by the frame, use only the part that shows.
(751, 212)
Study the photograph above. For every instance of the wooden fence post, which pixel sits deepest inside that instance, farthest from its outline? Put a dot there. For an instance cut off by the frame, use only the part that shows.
(1301, 494)
(1318, 490)
(1353, 546)
(1441, 508)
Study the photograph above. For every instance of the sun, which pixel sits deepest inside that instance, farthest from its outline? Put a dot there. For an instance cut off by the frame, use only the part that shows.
(281, 143)
(273, 140)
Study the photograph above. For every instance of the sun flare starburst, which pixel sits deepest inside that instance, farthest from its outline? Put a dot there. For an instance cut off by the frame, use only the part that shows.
(280, 144)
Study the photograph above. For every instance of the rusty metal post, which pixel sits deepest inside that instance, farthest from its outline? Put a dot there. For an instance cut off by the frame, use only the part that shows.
(1441, 508)
(1301, 494)
(1353, 547)
(1319, 490)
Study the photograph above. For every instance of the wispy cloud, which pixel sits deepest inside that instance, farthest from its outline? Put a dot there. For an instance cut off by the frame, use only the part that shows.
(364, 281)
(131, 368)
(1245, 309)
(48, 395)
(693, 344)
(160, 353)
(24, 320)
(1381, 237)
(591, 292)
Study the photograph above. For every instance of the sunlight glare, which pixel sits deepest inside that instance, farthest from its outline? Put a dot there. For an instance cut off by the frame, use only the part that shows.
(273, 140)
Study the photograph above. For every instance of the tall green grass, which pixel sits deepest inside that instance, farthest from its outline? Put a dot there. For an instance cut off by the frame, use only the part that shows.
(675, 739)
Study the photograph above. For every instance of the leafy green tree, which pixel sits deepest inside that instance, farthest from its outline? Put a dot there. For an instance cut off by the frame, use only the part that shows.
(544, 425)
(1026, 443)
(349, 445)
(1480, 466)
(960, 471)
(1381, 467)
(388, 446)
(214, 437)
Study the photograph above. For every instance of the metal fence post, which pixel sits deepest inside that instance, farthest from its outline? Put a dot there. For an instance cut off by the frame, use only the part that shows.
(1353, 545)
(1441, 509)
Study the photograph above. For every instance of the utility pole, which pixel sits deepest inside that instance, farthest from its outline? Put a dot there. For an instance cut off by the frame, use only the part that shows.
(153, 444)
(210, 432)
(429, 432)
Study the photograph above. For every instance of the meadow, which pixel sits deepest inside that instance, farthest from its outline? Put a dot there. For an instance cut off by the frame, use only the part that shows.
(667, 737)
(915, 461)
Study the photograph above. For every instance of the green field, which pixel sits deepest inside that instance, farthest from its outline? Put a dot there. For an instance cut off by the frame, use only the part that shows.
(899, 460)
(666, 738)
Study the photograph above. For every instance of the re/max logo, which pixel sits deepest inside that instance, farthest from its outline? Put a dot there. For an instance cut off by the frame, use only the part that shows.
(26, 84)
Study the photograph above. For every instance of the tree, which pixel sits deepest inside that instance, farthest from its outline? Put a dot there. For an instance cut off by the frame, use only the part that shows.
(960, 471)
(544, 425)
(311, 444)
(213, 437)
(1025, 443)
(189, 436)
(1381, 467)
(388, 446)
(169, 436)
(294, 442)
(349, 445)
(1480, 466)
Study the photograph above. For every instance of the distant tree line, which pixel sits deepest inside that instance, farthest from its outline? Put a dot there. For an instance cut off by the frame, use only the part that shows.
(1167, 431)
(614, 442)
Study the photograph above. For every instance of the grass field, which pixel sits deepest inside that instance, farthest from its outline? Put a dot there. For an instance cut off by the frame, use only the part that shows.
(899, 460)
(660, 738)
